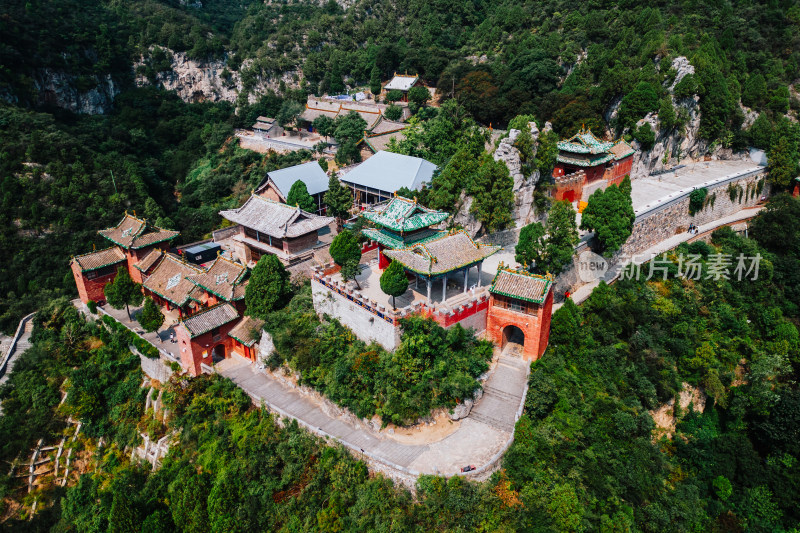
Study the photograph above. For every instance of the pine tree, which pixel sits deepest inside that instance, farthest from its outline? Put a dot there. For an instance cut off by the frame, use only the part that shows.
(610, 215)
(394, 281)
(531, 245)
(151, 318)
(298, 196)
(345, 247)
(782, 161)
(375, 81)
(562, 236)
(268, 288)
(123, 291)
(339, 199)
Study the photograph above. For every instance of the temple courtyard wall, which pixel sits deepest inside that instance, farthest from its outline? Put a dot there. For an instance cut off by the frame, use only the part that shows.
(355, 313)
(669, 216)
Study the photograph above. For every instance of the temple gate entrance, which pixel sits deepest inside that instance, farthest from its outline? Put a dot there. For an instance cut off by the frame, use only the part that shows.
(218, 353)
(513, 340)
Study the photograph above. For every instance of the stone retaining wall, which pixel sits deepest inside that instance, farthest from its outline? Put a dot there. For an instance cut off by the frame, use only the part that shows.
(672, 217)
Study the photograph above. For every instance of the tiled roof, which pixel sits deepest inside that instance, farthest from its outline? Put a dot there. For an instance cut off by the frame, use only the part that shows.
(442, 255)
(395, 243)
(103, 258)
(401, 82)
(385, 125)
(401, 214)
(317, 108)
(222, 278)
(208, 319)
(622, 149)
(585, 162)
(170, 280)
(585, 142)
(590, 151)
(149, 260)
(247, 331)
(388, 172)
(274, 218)
(382, 133)
(134, 233)
(309, 173)
(521, 285)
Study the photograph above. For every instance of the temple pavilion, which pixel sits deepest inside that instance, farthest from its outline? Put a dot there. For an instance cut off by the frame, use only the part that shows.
(586, 163)
(405, 233)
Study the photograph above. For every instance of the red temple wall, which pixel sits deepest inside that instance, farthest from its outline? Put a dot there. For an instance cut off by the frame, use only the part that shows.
(91, 289)
(195, 351)
(536, 328)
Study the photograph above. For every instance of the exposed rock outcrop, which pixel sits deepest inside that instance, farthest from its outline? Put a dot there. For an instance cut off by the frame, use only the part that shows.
(210, 81)
(59, 89)
(506, 152)
(461, 410)
(675, 146)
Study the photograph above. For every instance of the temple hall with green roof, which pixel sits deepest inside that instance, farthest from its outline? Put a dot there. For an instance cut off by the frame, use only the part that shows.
(586, 163)
(405, 233)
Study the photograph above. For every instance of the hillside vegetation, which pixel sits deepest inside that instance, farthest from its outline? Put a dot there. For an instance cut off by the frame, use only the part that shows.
(603, 64)
(587, 455)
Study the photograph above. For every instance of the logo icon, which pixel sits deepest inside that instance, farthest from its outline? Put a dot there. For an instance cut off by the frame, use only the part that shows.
(591, 266)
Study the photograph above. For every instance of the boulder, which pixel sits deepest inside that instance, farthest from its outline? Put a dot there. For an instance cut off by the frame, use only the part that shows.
(461, 410)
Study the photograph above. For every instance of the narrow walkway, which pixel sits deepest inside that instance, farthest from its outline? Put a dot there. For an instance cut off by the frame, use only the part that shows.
(482, 436)
(580, 295)
(23, 344)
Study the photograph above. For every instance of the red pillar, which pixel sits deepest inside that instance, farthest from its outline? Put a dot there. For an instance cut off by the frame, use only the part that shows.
(383, 261)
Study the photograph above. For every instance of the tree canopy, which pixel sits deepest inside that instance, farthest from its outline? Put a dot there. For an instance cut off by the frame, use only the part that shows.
(610, 215)
(151, 318)
(394, 281)
(338, 198)
(268, 288)
(123, 291)
(298, 196)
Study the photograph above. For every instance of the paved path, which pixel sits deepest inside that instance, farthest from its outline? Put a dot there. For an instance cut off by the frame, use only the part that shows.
(745, 214)
(23, 344)
(481, 437)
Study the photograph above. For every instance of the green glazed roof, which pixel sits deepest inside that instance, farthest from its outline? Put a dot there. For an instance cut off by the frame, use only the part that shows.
(521, 285)
(402, 214)
(395, 243)
(585, 142)
(587, 162)
(595, 151)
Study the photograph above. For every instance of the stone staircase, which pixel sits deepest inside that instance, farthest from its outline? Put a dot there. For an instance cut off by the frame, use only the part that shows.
(502, 394)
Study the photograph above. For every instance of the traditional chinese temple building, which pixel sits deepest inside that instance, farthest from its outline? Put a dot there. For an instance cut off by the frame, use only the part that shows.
(209, 301)
(405, 233)
(519, 311)
(278, 183)
(169, 285)
(586, 164)
(265, 226)
(402, 83)
(378, 138)
(134, 239)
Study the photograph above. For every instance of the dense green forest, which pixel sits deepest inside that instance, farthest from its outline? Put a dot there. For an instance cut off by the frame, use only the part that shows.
(64, 176)
(587, 455)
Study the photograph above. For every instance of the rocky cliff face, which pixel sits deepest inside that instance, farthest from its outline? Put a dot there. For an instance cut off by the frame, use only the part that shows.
(506, 152)
(674, 147)
(523, 212)
(59, 89)
(201, 81)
